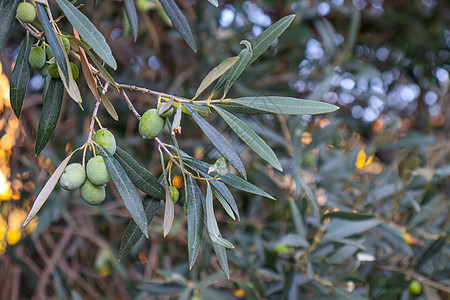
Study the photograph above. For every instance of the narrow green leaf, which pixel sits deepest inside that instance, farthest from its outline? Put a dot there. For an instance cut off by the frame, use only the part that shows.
(211, 223)
(215, 73)
(7, 13)
(88, 32)
(222, 242)
(169, 213)
(219, 141)
(229, 179)
(222, 189)
(257, 47)
(217, 185)
(250, 137)
(132, 233)
(214, 2)
(69, 83)
(347, 216)
(130, 9)
(109, 107)
(194, 220)
(221, 253)
(268, 36)
(47, 189)
(224, 204)
(286, 105)
(431, 251)
(53, 41)
(139, 176)
(343, 228)
(239, 67)
(169, 207)
(126, 190)
(49, 114)
(179, 21)
(20, 77)
(237, 108)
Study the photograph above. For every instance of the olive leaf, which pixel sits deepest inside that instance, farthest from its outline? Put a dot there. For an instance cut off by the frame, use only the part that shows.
(179, 21)
(7, 13)
(20, 77)
(285, 105)
(219, 141)
(194, 220)
(47, 189)
(250, 137)
(88, 32)
(140, 176)
(53, 41)
(130, 9)
(126, 190)
(132, 233)
(50, 113)
(215, 73)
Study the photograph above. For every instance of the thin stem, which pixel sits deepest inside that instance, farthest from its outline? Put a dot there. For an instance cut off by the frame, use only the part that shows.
(130, 105)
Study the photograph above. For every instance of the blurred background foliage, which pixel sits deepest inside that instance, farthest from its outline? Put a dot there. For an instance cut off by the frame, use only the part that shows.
(362, 204)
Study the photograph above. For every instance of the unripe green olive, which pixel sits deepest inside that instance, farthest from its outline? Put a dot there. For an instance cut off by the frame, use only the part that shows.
(72, 177)
(175, 194)
(92, 194)
(49, 52)
(415, 287)
(66, 43)
(37, 58)
(151, 124)
(105, 138)
(53, 71)
(167, 113)
(44, 70)
(75, 71)
(26, 12)
(96, 171)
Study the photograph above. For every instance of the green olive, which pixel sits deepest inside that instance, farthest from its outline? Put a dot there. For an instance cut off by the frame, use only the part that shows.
(66, 43)
(72, 177)
(44, 70)
(151, 124)
(96, 171)
(53, 71)
(92, 194)
(75, 71)
(26, 12)
(415, 287)
(105, 138)
(175, 194)
(49, 52)
(37, 58)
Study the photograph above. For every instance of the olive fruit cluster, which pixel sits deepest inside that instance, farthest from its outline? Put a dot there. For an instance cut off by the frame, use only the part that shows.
(53, 67)
(92, 180)
(38, 57)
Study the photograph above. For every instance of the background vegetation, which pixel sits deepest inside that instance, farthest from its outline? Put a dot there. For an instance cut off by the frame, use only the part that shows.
(362, 204)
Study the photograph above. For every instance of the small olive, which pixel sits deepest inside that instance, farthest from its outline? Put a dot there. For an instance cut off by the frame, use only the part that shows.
(72, 177)
(96, 171)
(92, 194)
(151, 124)
(26, 12)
